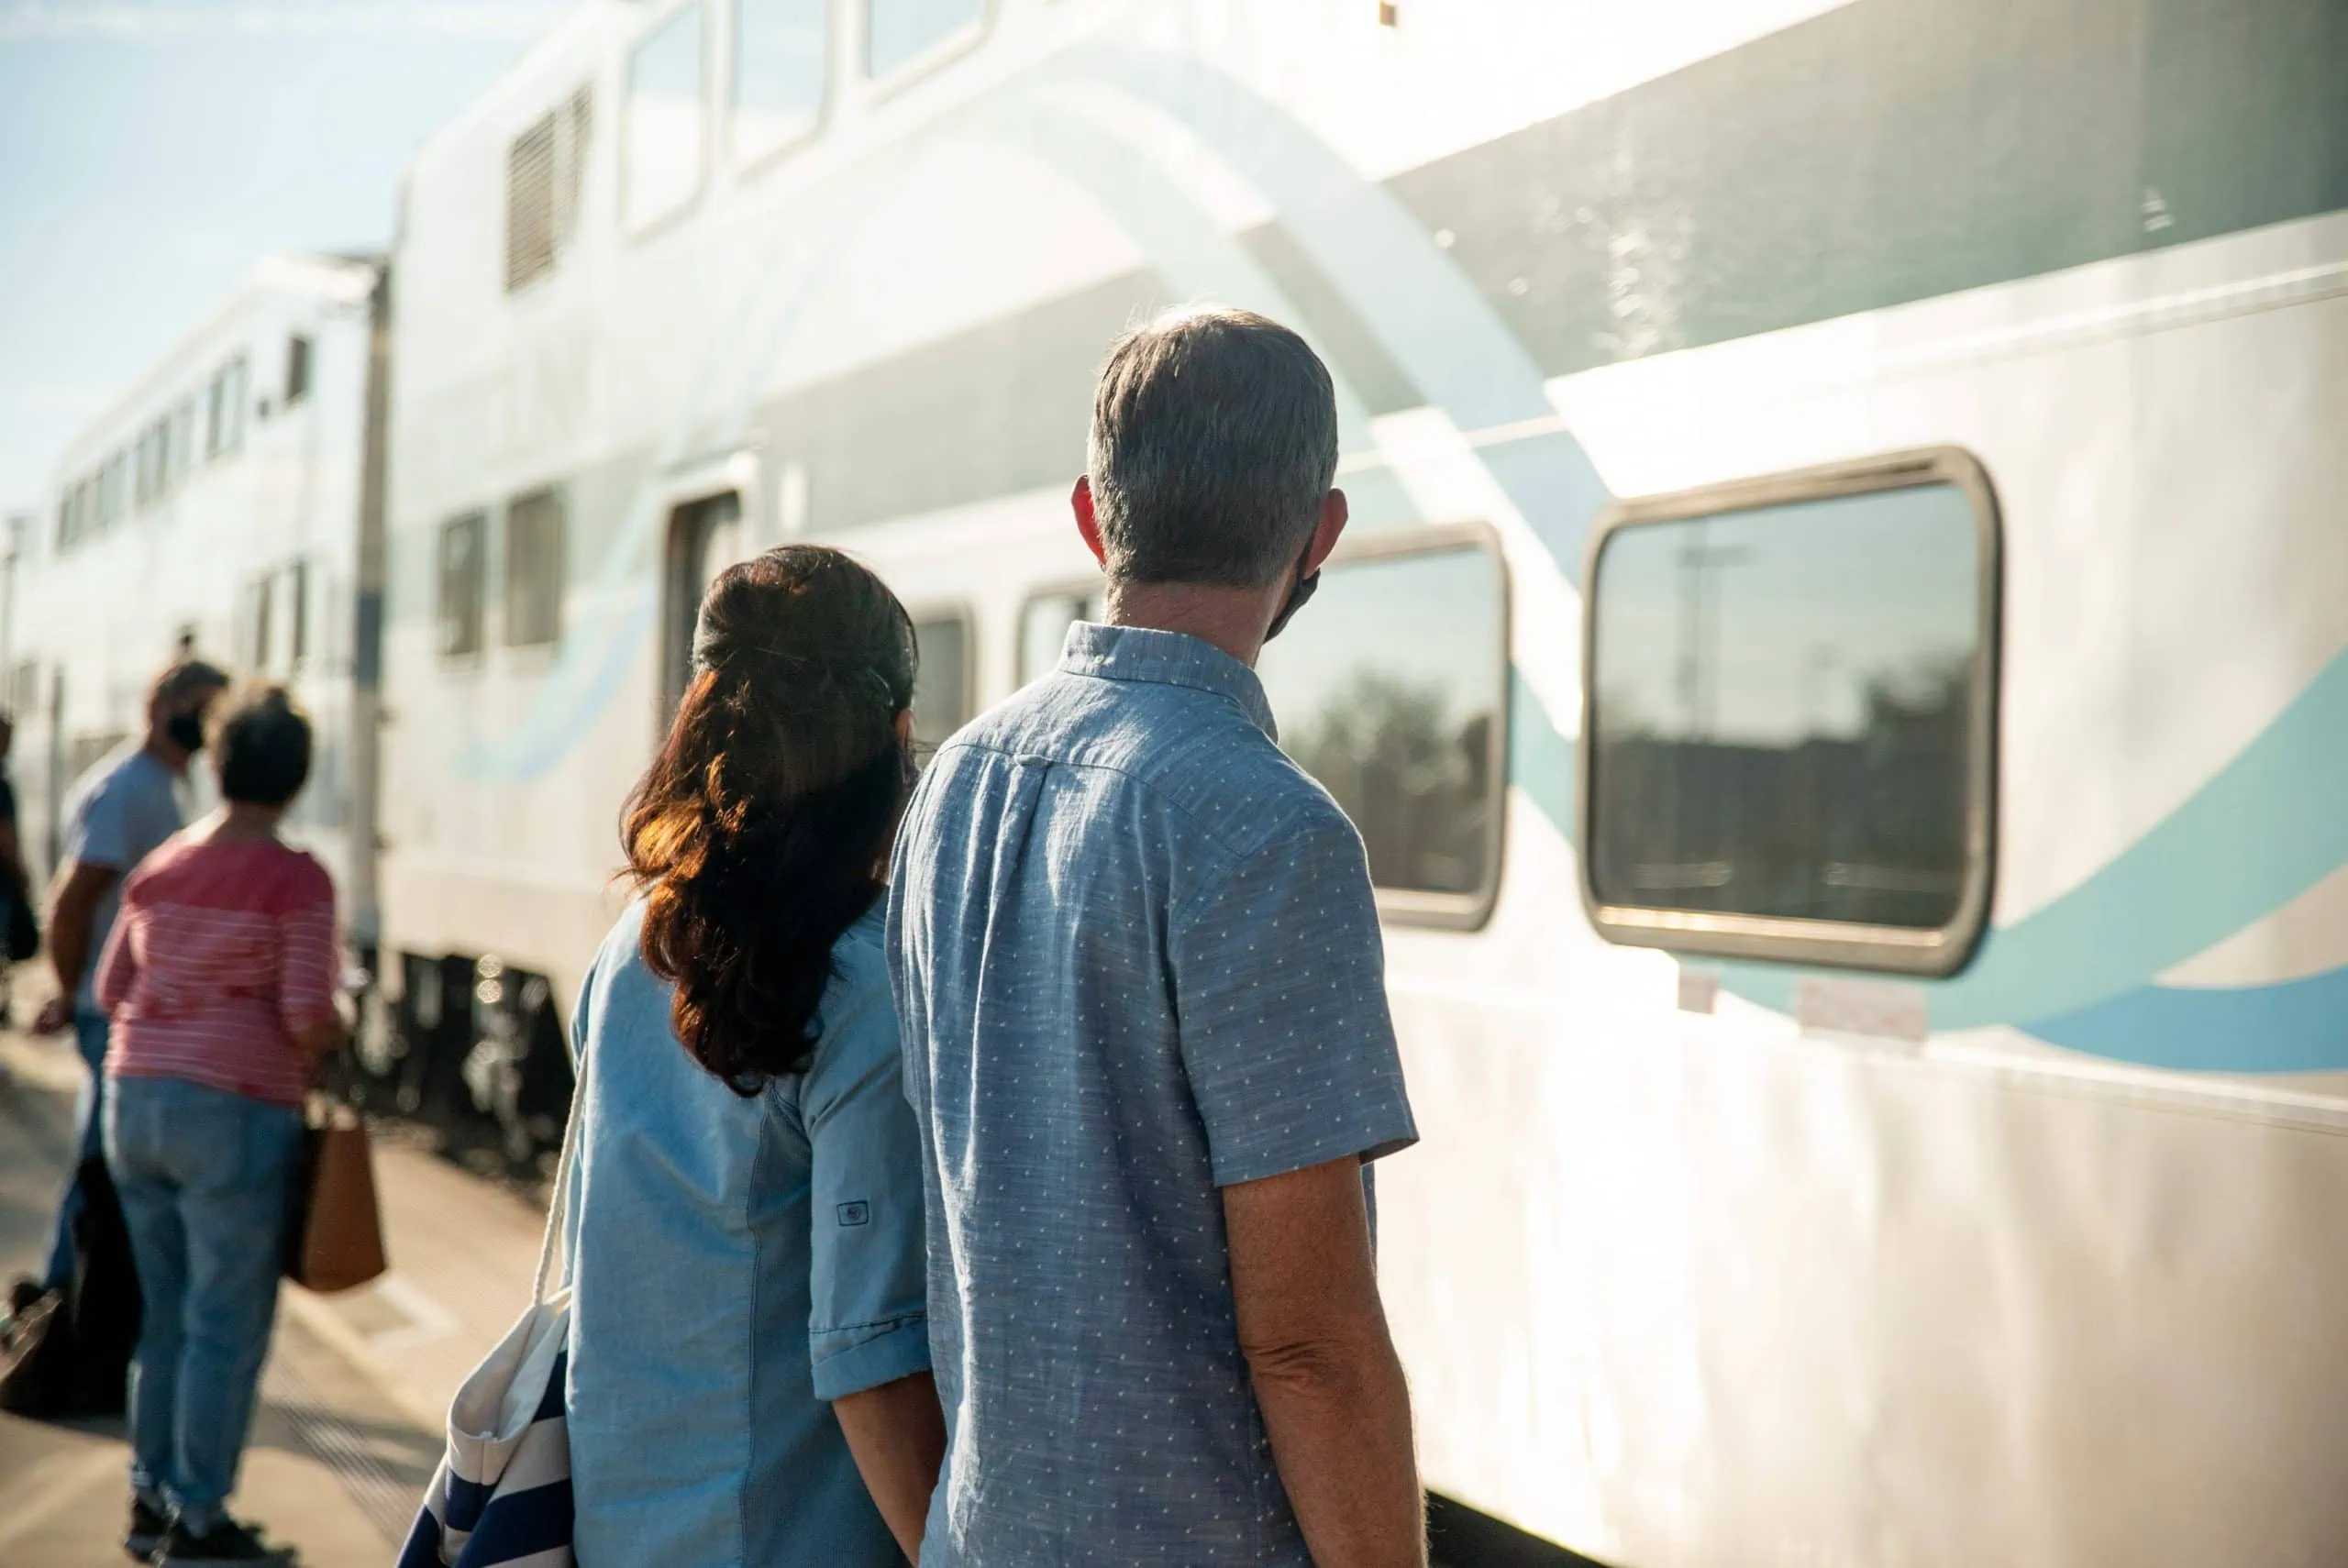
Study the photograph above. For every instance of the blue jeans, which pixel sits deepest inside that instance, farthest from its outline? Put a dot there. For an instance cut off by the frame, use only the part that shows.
(90, 1036)
(204, 1176)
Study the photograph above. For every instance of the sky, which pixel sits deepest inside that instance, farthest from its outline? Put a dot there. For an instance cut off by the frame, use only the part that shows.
(151, 150)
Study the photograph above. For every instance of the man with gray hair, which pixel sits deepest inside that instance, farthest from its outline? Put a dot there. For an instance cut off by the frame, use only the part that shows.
(1141, 991)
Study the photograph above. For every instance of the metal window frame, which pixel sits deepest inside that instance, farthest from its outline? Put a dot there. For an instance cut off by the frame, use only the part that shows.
(1936, 953)
(952, 45)
(632, 228)
(937, 612)
(765, 159)
(1454, 911)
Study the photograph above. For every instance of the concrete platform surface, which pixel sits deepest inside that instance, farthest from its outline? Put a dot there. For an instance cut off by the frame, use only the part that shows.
(337, 1460)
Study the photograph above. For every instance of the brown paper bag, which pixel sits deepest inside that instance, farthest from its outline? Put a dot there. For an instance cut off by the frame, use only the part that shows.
(334, 1238)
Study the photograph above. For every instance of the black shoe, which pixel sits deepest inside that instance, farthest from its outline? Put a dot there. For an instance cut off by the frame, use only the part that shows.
(148, 1527)
(226, 1541)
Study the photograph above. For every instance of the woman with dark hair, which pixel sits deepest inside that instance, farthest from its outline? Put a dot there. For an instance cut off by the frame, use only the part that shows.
(220, 978)
(749, 1358)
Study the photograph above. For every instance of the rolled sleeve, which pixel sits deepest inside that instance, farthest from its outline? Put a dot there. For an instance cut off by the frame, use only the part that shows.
(868, 1321)
(1278, 974)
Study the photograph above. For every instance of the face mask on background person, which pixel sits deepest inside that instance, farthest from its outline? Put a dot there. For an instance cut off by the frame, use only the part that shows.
(187, 731)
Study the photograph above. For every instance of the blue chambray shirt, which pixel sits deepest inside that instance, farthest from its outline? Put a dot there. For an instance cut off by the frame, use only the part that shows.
(738, 1265)
(1137, 958)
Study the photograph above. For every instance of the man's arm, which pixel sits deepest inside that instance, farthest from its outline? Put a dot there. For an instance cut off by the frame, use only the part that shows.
(898, 1436)
(1325, 1373)
(68, 937)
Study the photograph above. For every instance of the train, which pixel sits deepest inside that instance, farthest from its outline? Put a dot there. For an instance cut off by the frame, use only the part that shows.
(1840, 665)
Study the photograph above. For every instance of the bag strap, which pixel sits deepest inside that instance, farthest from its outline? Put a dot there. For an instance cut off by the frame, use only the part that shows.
(559, 1204)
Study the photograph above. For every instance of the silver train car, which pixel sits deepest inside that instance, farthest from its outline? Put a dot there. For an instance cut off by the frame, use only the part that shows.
(219, 507)
(1841, 664)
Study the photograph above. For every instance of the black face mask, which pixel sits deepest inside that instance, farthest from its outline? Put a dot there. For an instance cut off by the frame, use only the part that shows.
(187, 731)
(1307, 584)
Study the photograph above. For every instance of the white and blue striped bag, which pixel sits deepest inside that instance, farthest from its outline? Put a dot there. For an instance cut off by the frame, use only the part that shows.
(501, 1494)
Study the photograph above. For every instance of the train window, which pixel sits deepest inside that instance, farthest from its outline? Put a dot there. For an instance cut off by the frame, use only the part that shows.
(664, 134)
(463, 557)
(782, 64)
(1392, 690)
(942, 687)
(297, 595)
(534, 568)
(899, 33)
(298, 369)
(184, 441)
(261, 607)
(114, 488)
(1043, 622)
(224, 424)
(1787, 751)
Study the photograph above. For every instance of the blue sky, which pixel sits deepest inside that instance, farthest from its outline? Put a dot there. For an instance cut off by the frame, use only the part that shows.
(151, 150)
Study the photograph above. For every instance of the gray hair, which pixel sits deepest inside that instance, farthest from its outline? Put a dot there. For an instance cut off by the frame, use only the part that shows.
(1213, 443)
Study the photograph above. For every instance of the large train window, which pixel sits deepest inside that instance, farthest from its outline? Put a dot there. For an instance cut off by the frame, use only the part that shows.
(942, 690)
(463, 557)
(1789, 689)
(1043, 622)
(534, 568)
(899, 34)
(1392, 690)
(662, 131)
(781, 65)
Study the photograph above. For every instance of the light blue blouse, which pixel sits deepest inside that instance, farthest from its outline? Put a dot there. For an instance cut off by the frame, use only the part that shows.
(738, 1265)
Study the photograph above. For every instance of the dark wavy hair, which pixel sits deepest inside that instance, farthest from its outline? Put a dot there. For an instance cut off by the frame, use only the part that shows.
(761, 832)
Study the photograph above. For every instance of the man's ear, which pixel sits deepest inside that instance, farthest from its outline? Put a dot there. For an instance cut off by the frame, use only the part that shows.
(1080, 501)
(1333, 514)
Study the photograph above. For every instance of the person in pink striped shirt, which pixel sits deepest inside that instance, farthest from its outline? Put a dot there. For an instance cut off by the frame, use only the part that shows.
(220, 978)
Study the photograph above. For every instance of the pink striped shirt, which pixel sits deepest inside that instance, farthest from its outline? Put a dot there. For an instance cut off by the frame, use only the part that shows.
(223, 956)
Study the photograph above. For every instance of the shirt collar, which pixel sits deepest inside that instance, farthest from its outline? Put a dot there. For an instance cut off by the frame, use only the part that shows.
(1166, 659)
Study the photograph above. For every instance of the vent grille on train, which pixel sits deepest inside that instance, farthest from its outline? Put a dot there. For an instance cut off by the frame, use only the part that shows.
(545, 172)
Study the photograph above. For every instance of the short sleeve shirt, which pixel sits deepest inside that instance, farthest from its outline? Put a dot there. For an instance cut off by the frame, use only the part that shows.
(1137, 959)
(739, 1262)
(117, 814)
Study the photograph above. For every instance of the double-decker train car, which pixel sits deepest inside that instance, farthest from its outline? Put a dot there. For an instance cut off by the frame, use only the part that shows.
(1841, 663)
(219, 508)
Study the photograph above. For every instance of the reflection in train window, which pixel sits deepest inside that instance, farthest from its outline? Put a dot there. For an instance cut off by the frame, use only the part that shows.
(942, 685)
(1043, 622)
(899, 32)
(460, 602)
(1390, 689)
(663, 134)
(534, 568)
(782, 51)
(1788, 720)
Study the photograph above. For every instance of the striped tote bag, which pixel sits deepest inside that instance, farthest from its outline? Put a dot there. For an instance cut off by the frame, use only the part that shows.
(502, 1492)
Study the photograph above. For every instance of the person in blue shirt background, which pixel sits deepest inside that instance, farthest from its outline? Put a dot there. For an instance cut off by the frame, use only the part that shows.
(116, 814)
(1142, 985)
(749, 1376)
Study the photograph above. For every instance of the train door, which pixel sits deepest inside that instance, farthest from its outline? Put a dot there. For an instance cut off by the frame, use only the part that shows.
(705, 536)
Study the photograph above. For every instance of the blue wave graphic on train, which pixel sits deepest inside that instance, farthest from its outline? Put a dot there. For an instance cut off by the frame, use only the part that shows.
(2077, 972)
